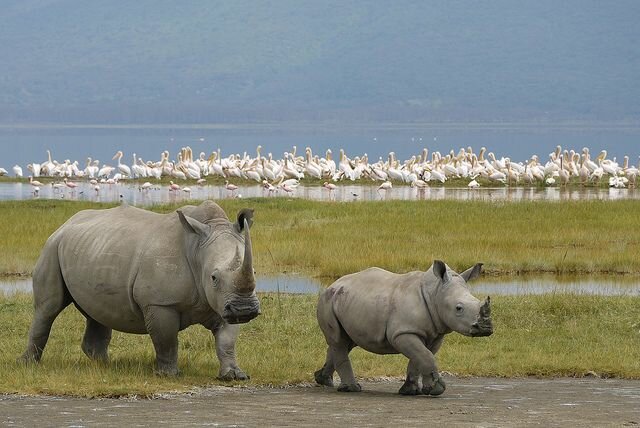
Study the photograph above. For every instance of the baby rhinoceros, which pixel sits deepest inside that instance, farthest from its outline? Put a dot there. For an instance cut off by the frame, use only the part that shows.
(389, 313)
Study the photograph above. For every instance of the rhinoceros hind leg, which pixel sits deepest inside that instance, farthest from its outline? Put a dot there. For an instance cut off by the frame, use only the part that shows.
(324, 376)
(433, 384)
(163, 324)
(95, 343)
(342, 363)
(50, 297)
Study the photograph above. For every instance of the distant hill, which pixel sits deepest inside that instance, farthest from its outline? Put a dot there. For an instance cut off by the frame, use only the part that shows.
(236, 61)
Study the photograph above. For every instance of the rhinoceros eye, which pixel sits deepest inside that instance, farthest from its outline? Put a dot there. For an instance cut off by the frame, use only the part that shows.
(214, 279)
(459, 308)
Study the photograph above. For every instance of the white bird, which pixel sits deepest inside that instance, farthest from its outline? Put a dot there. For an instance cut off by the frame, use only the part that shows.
(386, 186)
(230, 187)
(173, 186)
(34, 183)
(124, 169)
(473, 184)
(17, 170)
(70, 184)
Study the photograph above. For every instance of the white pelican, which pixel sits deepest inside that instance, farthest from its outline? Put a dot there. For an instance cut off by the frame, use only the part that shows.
(473, 184)
(386, 186)
(34, 168)
(17, 170)
(124, 169)
(173, 186)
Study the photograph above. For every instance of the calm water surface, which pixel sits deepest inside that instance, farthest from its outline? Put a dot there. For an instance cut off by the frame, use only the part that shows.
(542, 284)
(345, 192)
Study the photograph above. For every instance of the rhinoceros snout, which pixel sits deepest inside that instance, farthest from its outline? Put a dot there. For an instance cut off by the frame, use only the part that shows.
(483, 328)
(239, 309)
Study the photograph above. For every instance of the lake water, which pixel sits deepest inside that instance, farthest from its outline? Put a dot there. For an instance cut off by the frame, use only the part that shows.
(345, 192)
(23, 145)
(537, 284)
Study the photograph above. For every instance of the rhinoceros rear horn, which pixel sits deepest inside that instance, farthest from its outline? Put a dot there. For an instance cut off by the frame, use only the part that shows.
(485, 309)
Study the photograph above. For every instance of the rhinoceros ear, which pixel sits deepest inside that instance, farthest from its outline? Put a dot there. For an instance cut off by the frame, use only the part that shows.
(192, 225)
(472, 273)
(440, 270)
(244, 214)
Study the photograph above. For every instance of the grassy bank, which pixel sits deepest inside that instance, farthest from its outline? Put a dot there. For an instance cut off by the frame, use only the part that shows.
(328, 240)
(553, 335)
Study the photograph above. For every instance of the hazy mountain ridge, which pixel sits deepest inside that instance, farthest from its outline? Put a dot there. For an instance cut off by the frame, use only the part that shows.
(242, 61)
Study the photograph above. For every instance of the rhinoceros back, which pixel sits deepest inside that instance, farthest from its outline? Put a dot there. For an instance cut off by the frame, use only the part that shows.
(99, 253)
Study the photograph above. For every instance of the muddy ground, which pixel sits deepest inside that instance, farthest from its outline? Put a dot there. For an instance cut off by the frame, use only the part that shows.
(483, 402)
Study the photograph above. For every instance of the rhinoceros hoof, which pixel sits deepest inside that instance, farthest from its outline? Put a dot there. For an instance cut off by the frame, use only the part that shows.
(436, 388)
(27, 359)
(344, 387)
(166, 371)
(233, 374)
(409, 388)
(322, 379)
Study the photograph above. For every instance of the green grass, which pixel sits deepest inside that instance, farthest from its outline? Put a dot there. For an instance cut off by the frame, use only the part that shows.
(328, 240)
(551, 335)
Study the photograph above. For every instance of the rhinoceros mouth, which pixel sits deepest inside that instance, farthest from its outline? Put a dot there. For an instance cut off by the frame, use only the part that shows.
(240, 310)
(479, 330)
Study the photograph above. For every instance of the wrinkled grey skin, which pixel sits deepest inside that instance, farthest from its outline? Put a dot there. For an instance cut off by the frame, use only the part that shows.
(409, 314)
(140, 272)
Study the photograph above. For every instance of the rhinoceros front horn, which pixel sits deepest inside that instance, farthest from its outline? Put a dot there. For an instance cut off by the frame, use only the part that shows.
(246, 282)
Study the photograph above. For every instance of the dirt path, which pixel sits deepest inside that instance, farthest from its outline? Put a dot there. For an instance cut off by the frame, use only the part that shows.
(467, 402)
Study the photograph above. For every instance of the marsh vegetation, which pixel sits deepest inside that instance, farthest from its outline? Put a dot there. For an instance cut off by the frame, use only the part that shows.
(327, 240)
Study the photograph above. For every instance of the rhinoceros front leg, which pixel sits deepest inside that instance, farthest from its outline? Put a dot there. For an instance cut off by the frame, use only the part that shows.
(163, 324)
(411, 385)
(421, 362)
(226, 336)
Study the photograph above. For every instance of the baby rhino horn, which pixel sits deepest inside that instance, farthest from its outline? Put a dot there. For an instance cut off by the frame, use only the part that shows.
(485, 309)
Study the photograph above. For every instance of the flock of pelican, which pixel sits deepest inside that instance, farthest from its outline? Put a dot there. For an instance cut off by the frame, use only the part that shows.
(284, 174)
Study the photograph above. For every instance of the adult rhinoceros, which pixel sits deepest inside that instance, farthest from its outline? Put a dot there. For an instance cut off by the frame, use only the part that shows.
(409, 314)
(140, 272)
